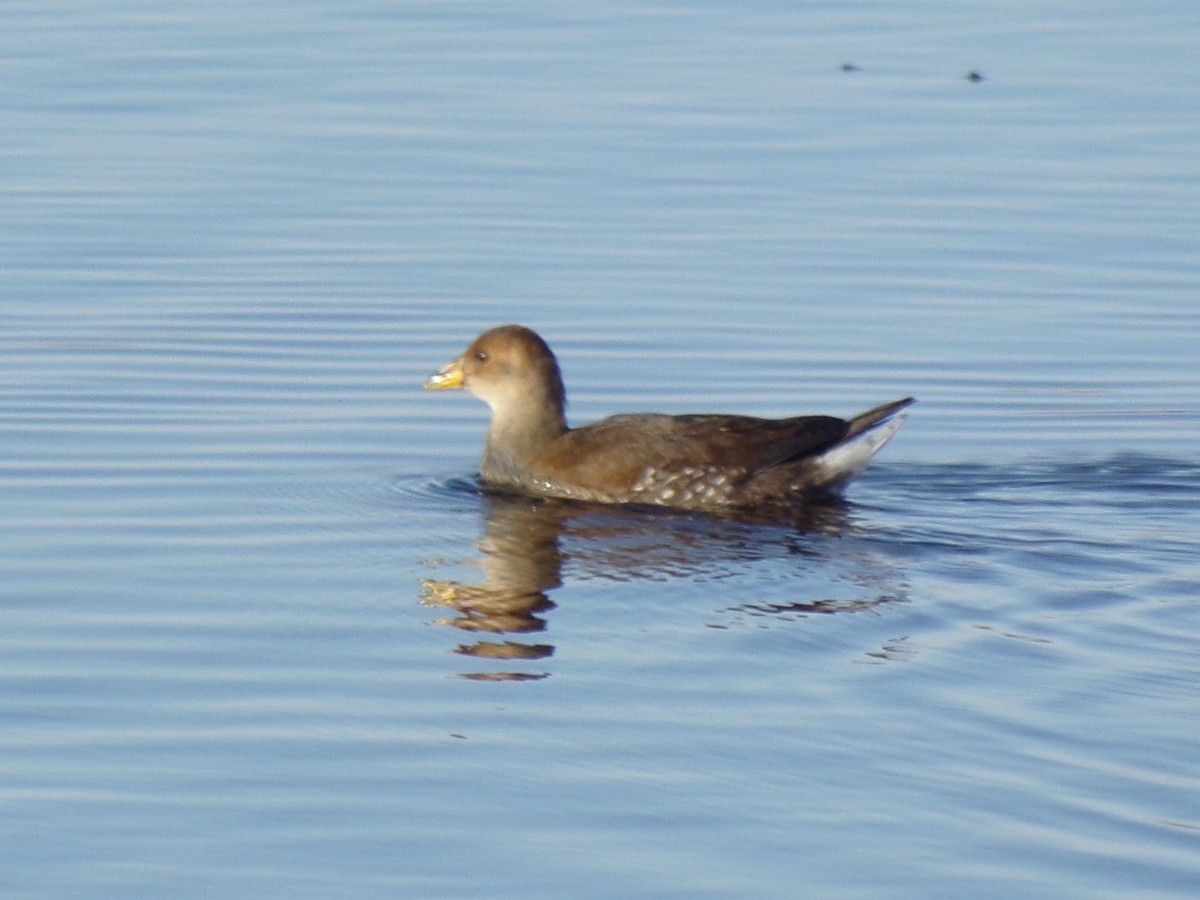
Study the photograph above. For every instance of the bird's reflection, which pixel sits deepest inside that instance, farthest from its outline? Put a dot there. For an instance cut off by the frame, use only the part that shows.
(523, 556)
(521, 561)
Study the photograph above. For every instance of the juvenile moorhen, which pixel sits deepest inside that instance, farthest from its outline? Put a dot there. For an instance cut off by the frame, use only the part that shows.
(700, 462)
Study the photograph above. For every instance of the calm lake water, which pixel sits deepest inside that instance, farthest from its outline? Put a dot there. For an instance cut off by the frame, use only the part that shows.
(261, 635)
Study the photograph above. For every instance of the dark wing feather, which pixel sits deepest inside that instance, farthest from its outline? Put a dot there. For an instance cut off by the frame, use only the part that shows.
(616, 451)
(610, 455)
(755, 444)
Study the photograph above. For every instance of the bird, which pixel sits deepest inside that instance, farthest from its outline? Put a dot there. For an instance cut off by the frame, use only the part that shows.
(700, 462)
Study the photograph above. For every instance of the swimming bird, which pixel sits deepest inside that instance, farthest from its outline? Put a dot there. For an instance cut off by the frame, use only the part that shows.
(698, 462)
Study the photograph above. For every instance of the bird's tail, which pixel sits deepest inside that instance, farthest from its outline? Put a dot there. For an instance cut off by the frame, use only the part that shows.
(873, 417)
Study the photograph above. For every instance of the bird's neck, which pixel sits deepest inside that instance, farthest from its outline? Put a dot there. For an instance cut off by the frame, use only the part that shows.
(518, 435)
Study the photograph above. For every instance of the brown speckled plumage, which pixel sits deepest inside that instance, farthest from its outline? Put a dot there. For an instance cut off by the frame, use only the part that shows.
(704, 462)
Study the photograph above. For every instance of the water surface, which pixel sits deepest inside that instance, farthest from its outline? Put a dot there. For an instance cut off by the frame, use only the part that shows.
(262, 634)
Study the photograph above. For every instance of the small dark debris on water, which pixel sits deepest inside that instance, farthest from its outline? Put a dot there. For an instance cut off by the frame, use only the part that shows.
(973, 77)
(850, 67)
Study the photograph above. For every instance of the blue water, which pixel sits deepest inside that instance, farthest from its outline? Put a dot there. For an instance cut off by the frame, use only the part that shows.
(261, 635)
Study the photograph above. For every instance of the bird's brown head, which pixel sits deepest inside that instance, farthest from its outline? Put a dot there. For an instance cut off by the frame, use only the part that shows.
(510, 368)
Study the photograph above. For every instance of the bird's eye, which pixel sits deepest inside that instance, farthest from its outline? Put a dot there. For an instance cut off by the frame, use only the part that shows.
(481, 356)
